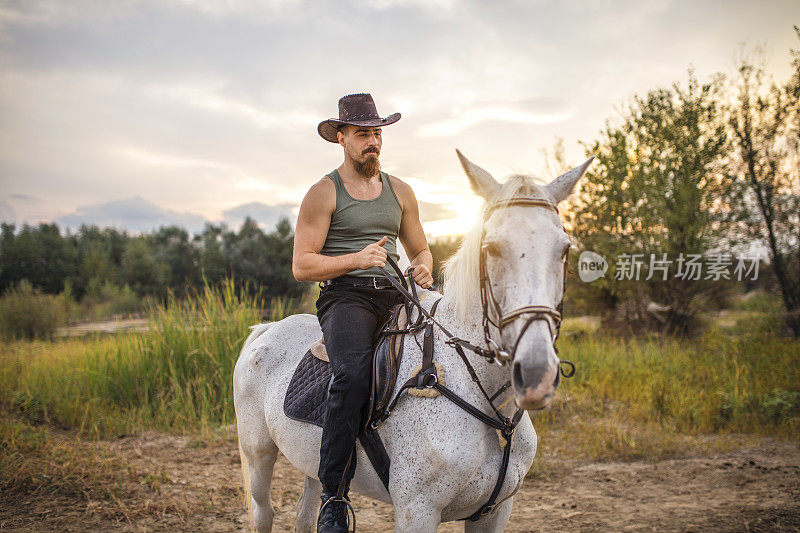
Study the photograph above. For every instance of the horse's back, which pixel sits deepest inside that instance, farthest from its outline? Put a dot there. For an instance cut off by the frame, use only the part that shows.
(272, 350)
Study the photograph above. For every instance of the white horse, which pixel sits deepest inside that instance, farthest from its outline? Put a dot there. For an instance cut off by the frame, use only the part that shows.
(444, 462)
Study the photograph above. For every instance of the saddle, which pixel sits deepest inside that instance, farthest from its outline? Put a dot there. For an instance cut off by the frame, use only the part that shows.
(308, 388)
(386, 356)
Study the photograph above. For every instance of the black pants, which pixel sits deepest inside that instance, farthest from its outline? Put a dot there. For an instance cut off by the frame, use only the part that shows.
(349, 317)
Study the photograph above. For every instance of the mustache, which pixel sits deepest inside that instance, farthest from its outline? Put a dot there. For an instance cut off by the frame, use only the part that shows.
(371, 150)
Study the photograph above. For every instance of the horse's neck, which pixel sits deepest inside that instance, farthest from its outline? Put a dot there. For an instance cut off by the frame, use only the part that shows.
(491, 375)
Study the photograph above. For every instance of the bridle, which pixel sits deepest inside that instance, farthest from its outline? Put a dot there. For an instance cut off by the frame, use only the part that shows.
(427, 377)
(499, 354)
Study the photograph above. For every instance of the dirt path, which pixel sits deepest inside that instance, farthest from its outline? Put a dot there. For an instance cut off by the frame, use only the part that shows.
(179, 484)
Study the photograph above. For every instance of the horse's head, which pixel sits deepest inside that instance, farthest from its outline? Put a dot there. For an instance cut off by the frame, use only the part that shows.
(522, 254)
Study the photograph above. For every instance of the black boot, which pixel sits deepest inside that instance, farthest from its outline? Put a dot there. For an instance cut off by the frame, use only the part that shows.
(333, 512)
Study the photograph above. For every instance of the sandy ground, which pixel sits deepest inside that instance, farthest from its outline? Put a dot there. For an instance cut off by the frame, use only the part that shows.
(187, 485)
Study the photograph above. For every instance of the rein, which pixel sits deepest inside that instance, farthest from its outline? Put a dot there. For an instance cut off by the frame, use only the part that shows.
(426, 377)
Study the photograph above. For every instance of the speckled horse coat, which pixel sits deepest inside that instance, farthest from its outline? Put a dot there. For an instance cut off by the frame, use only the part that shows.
(444, 462)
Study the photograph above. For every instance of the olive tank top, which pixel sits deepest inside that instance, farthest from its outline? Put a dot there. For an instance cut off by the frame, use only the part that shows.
(356, 223)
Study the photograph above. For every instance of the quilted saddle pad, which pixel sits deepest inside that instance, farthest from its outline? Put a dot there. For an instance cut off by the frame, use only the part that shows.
(308, 389)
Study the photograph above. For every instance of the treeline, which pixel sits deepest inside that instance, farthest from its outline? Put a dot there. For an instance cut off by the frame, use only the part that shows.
(94, 261)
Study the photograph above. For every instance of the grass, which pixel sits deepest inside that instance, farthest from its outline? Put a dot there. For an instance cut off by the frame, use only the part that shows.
(630, 399)
(657, 398)
(176, 377)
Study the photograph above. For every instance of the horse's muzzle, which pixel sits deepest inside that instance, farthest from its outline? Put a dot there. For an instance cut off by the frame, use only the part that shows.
(534, 385)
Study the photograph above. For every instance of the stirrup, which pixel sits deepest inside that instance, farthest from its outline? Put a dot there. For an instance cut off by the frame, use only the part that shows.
(349, 506)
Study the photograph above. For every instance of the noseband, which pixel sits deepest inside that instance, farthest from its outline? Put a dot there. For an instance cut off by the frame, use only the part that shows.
(500, 355)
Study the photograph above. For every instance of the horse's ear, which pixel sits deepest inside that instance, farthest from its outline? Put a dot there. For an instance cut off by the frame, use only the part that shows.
(561, 187)
(482, 182)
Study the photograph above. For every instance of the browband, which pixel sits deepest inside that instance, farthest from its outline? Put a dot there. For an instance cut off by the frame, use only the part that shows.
(541, 202)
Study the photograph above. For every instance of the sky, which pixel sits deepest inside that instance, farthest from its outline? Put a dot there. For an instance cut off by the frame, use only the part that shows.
(142, 113)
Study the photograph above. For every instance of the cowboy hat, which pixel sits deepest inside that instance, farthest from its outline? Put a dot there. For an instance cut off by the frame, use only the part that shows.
(358, 110)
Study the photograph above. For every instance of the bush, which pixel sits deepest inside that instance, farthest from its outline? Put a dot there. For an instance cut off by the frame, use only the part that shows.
(177, 375)
(104, 299)
(26, 313)
(761, 301)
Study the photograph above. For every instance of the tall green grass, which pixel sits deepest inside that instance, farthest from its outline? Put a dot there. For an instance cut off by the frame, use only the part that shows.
(635, 392)
(176, 376)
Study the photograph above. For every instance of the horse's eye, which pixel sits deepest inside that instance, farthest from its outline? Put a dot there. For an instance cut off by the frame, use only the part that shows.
(492, 249)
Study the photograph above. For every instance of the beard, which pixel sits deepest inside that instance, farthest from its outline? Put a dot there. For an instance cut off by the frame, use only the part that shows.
(369, 167)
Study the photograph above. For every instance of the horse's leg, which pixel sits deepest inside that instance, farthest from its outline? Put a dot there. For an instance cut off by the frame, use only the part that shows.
(492, 523)
(258, 450)
(260, 463)
(308, 505)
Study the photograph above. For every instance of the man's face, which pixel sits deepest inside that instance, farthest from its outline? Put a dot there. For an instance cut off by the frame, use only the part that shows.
(363, 146)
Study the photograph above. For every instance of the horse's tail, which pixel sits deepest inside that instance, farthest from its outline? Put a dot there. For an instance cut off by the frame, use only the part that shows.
(248, 497)
(255, 331)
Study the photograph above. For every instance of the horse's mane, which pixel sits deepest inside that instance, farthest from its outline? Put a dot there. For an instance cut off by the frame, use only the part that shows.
(461, 276)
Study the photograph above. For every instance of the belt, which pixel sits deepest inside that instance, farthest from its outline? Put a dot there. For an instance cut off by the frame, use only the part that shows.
(357, 281)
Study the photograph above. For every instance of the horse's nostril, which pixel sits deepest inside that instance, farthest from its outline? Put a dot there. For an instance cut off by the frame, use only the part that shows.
(558, 378)
(516, 376)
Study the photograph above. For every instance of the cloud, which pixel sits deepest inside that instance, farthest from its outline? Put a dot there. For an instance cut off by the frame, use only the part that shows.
(429, 212)
(23, 197)
(134, 214)
(140, 215)
(109, 100)
(156, 159)
(266, 215)
(527, 111)
(432, 6)
(208, 98)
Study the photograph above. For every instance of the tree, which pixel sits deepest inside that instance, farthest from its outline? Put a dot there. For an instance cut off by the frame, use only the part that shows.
(171, 247)
(765, 121)
(655, 191)
(213, 265)
(38, 254)
(140, 271)
(263, 260)
(280, 280)
(98, 254)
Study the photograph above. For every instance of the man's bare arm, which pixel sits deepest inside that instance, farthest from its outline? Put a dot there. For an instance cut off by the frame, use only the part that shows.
(313, 222)
(412, 236)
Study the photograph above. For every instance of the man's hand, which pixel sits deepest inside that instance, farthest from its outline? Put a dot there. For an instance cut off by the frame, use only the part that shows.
(422, 276)
(372, 255)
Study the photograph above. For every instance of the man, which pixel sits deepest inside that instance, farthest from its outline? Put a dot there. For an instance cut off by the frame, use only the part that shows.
(348, 223)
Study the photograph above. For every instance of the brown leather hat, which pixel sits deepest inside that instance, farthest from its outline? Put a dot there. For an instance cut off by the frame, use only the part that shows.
(358, 110)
